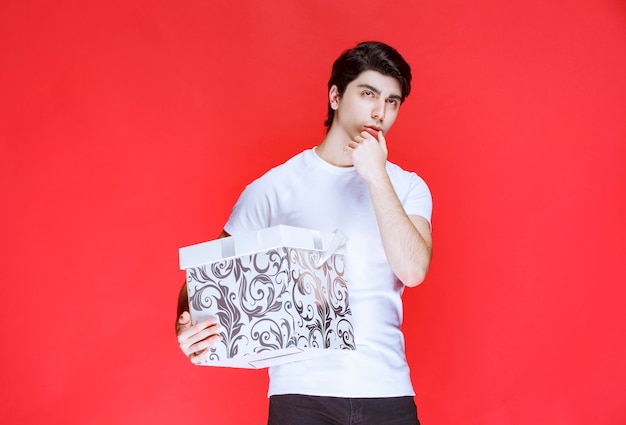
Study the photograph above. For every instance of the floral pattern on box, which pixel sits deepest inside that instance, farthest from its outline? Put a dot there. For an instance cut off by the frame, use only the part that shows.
(273, 300)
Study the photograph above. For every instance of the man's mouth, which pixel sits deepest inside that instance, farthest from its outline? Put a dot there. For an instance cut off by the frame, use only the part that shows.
(372, 130)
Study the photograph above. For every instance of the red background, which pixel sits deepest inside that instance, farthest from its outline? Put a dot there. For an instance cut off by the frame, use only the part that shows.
(128, 129)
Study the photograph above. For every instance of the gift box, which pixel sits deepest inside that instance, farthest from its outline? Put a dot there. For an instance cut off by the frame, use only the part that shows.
(279, 294)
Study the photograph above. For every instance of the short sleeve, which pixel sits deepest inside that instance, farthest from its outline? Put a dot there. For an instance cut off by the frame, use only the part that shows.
(418, 200)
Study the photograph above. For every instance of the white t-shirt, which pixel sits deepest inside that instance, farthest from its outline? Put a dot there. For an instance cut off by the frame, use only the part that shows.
(306, 191)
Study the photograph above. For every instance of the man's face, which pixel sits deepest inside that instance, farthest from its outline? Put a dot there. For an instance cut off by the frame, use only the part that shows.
(370, 103)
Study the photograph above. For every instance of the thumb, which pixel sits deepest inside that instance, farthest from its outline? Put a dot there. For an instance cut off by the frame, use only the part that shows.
(382, 141)
(183, 322)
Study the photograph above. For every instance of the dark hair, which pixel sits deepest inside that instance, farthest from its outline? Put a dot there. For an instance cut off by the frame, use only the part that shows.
(368, 56)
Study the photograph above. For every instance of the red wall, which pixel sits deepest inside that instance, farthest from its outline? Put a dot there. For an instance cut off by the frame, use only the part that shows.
(128, 129)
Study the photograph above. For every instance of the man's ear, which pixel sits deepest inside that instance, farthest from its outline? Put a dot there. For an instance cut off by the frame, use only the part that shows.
(333, 97)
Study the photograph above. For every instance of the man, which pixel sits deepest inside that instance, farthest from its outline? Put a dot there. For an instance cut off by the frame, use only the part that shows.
(346, 182)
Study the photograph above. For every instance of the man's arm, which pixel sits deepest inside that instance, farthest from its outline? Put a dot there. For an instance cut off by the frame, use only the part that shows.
(406, 239)
(183, 301)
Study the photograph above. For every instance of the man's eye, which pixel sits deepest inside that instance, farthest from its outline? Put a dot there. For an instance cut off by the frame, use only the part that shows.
(368, 93)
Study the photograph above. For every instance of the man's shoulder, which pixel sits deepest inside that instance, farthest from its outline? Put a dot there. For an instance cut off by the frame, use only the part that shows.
(396, 170)
(294, 163)
(283, 172)
(404, 178)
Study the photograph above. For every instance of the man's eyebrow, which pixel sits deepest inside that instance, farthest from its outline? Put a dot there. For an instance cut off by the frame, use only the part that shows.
(367, 86)
(375, 90)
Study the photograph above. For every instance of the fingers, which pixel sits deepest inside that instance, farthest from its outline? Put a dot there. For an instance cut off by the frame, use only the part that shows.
(199, 357)
(199, 352)
(366, 135)
(364, 139)
(368, 154)
(195, 340)
(382, 141)
(197, 336)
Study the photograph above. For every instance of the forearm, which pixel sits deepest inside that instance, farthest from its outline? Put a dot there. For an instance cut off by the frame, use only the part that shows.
(407, 242)
(183, 301)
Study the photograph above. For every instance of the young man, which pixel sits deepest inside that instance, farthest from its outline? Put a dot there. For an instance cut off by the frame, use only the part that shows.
(346, 182)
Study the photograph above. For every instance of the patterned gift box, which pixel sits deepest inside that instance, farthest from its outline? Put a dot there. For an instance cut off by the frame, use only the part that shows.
(279, 294)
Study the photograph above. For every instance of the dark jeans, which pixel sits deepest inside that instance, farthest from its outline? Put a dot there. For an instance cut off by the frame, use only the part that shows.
(293, 409)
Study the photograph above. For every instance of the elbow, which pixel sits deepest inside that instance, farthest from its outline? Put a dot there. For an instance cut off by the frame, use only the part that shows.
(413, 271)
(414, 276)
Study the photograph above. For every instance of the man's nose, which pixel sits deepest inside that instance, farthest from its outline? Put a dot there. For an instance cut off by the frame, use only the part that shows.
(378, 113)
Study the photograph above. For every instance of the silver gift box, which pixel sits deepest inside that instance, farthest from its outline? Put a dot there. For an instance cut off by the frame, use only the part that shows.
(279, 294)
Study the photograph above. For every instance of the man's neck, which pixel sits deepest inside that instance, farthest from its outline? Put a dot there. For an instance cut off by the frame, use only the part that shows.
(332, 148)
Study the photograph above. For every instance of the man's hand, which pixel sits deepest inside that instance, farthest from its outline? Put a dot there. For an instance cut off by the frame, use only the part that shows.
(369, 155)
(196, 340)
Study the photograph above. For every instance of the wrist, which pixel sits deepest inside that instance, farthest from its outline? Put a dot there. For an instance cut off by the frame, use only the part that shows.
(377, 178)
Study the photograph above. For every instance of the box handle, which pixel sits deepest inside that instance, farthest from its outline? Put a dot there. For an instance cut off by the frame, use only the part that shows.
(338, 241)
